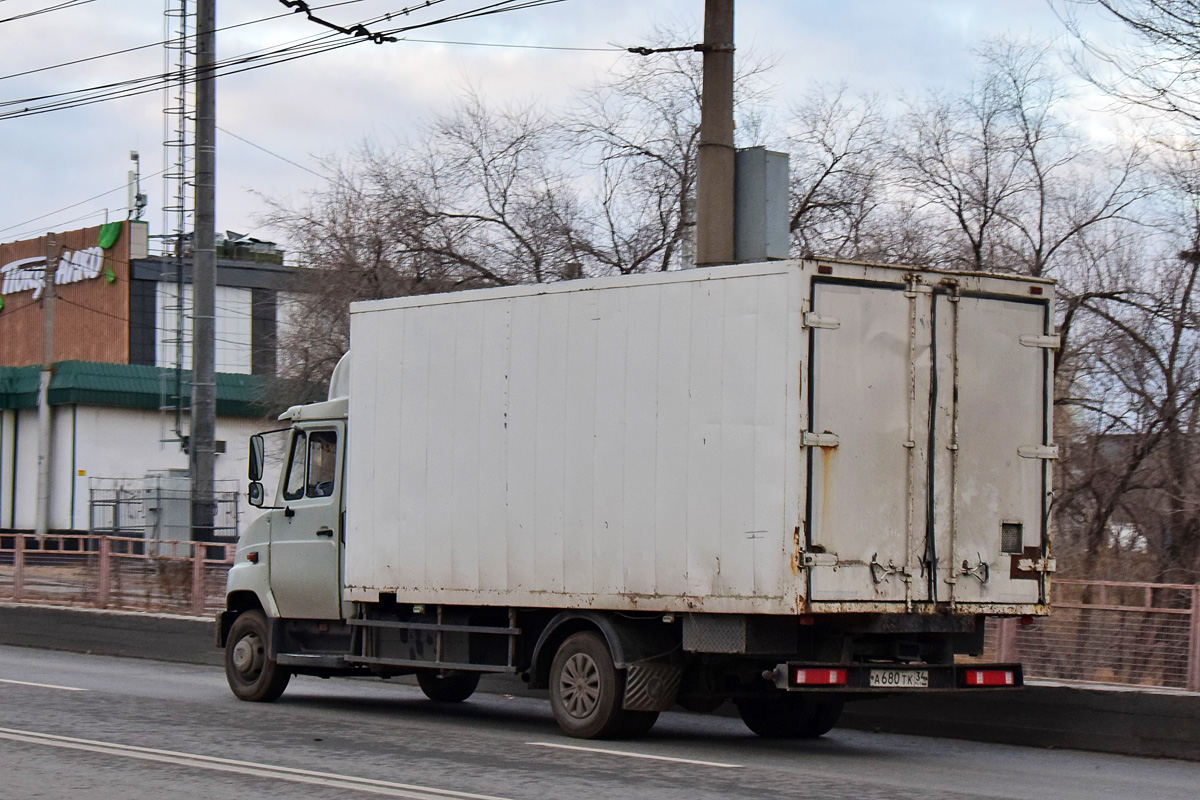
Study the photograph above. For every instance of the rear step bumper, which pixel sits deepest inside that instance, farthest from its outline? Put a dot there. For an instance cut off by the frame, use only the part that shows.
(889, 678)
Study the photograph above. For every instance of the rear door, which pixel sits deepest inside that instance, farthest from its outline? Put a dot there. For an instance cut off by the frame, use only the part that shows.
(928, 442)
(868, 365)
(990, 465)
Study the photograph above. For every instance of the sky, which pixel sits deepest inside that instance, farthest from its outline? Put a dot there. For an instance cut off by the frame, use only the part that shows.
(67, 169)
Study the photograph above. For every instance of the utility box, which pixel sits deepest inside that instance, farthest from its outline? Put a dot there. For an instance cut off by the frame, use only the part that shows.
(166, 496)
(761, 206)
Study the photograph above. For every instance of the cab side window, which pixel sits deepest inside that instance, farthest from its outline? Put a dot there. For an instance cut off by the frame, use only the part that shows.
(293, 487)
(322, 463)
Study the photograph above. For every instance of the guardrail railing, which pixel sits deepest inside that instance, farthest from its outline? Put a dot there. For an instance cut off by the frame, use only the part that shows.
(116, 572)
(1113, 632)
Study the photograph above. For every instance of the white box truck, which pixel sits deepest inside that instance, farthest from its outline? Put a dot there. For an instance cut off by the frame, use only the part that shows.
(787, 485)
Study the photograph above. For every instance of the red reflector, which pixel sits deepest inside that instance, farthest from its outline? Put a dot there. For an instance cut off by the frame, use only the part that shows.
(823, 270)
(1035, 290)
(990, 677)
(820, 677)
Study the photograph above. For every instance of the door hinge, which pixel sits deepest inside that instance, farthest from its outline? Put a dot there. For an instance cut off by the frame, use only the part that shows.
(1048, 342)
(818, 559)
(814, 320)
(810, 439)
(1048, 451)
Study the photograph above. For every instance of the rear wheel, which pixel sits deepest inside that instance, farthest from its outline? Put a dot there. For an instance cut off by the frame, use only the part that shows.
(789, 716)
(251, 673)
(586, 692)
(452, 688)
(824, 717)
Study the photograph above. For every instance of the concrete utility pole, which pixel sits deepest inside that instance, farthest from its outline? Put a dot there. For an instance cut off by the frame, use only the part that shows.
(204, 258)
(715, 179)
(45, 442)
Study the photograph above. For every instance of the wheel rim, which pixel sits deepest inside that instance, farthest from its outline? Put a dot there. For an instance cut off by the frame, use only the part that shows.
(579, 685)
(248, 657)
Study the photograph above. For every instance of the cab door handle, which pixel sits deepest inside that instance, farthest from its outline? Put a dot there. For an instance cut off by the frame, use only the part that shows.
(325, 531)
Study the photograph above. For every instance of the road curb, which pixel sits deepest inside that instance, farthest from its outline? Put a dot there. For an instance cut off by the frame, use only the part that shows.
(1117, 720)
(1111, 720)
(162, 637)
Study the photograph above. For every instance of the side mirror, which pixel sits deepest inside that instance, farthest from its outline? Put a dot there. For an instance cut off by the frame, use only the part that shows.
(257, 456)
(256, 494)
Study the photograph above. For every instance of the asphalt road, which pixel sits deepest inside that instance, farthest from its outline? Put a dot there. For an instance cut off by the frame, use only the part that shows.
(79, 726)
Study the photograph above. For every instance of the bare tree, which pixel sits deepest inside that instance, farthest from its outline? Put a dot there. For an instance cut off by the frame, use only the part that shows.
(480, 200)
(1130, 496)
(1069, 185)
(1160, 69)
(639, 132)
(963, 159)
(636, 137)
(840, 163)
(1003, 176)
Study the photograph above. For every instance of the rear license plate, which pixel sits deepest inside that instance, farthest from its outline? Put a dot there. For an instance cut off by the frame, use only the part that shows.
(900, 678)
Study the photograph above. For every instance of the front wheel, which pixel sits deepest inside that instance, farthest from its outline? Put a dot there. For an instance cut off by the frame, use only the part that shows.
(586, 692)
(252, 675)
(452, 688)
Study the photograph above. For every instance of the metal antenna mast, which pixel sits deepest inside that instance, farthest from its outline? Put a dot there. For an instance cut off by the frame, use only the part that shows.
(179, 141)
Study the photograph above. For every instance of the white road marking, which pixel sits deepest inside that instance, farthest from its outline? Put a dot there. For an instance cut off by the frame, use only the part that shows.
(635, 755)
(334, 780)
(44, 685)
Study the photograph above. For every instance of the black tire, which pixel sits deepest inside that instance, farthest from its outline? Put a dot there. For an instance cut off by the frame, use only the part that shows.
(825, 716)
(452, 688)
(638, 723)
(789, 716)
(251, 674)
(699, 704)
(586, 691)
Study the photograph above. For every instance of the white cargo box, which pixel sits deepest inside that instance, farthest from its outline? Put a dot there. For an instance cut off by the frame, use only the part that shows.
(790, 437)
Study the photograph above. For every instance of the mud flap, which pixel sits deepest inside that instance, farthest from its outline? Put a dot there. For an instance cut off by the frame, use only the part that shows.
(651, 686)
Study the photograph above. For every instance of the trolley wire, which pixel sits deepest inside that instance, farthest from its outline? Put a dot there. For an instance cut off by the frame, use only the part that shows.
(58, 101)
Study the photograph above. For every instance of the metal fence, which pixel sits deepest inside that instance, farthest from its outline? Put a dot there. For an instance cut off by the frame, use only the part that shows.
(1113, 632)
(114, 572)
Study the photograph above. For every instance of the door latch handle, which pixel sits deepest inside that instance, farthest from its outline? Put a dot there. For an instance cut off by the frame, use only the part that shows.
(325, 531)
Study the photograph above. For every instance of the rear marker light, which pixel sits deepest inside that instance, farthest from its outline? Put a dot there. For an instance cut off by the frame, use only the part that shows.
(990, 677)
(823, 270)
(1035, 290)
(820, 677)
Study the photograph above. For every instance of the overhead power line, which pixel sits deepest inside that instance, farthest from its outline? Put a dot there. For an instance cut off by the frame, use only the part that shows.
(270, 152)
(120, 188)
(47, 10)
(136, 48)
(517, 46)
(358, 29)
(256, 60)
